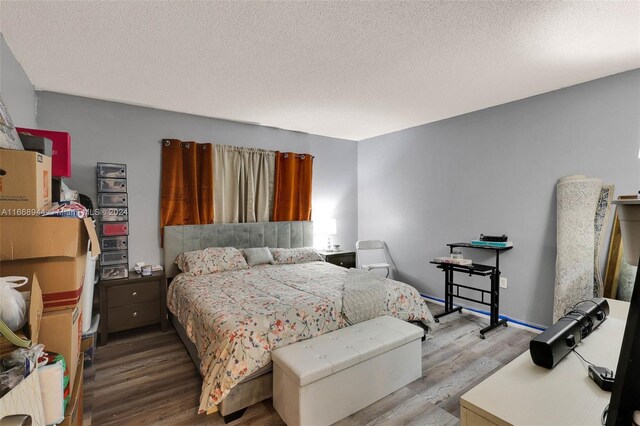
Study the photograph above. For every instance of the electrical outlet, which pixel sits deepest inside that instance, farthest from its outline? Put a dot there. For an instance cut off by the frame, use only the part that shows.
(503, 282)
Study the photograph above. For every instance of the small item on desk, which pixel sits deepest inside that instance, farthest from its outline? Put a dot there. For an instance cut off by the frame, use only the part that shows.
(138, 267)
(481, 243)
(146, 270)
(456, 254)
(462, 262)
(603, 377)
(494, 238)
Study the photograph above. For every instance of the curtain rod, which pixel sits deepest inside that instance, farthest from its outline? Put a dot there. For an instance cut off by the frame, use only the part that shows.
(167, 142)
(300, 156)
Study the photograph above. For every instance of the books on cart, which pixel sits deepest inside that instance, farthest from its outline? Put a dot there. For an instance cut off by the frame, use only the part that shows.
(447, 259)
(498, 244)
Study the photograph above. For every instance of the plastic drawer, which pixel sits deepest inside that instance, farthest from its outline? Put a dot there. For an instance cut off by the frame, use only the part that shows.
(112, 185)
(114, 214)
(112, 170)
(112, 200)
(115, 272)
(113, 257)
(113, 243)
(114, 229)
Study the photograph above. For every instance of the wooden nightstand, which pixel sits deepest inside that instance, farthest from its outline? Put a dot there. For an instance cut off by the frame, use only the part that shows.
(132, 302)
(346, 259)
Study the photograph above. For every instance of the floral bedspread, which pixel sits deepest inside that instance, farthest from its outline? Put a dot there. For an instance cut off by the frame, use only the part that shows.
(236, 318)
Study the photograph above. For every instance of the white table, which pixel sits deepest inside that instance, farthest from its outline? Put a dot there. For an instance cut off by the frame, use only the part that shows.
(521, 393)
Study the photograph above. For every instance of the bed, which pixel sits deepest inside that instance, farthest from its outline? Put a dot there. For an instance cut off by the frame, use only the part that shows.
(231, 321)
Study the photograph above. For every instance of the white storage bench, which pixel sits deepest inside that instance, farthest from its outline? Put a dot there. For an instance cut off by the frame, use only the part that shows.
(324, 379)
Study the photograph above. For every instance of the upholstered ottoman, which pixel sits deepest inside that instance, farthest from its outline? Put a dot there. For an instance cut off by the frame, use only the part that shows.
(324, 379)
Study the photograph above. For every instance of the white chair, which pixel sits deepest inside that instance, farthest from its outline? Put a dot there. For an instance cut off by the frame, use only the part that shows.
(371, 246)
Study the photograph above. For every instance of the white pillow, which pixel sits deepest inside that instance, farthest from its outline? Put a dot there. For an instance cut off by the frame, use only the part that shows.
(258, 256)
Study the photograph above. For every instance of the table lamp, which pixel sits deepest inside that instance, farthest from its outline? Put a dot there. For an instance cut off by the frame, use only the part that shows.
(327, 227)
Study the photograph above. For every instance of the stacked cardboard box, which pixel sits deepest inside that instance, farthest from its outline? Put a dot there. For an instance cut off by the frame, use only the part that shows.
(23, 399)
(25, 182)
(56, 250)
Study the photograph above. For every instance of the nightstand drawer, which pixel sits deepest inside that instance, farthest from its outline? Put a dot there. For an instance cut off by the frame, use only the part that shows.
(344, 260)
(132, 316)
(132, 293)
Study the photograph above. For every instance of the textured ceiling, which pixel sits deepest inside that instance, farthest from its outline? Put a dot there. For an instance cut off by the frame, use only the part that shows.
(348, 69)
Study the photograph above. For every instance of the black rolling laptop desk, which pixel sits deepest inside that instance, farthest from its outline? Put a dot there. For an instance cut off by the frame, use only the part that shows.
(493, 272)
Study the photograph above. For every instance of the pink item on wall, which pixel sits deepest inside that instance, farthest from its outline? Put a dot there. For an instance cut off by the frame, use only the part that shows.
(61, 158)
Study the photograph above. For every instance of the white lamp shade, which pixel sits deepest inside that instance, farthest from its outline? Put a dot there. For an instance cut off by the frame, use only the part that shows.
(325, 226)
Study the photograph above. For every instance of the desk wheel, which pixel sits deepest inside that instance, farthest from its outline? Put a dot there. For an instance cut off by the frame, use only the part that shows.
(436, 320)
(482, 336)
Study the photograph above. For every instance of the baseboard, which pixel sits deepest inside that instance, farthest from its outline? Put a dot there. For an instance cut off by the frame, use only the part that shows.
(535, 328)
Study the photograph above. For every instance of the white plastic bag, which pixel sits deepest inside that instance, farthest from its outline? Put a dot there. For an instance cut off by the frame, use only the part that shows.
(13, 308)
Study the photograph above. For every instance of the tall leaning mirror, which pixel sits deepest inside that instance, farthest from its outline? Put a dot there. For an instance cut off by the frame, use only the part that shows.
(619, 275)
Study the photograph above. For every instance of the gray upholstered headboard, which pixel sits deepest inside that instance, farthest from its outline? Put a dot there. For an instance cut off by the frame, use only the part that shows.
(178, 239)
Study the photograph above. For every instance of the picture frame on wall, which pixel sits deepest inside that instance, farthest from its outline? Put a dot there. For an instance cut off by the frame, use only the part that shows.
(9, 137)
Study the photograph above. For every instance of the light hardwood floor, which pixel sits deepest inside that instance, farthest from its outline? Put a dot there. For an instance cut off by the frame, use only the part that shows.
(146, 377)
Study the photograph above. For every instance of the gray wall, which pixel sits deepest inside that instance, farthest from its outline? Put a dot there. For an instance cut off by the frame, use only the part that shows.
(115, 132)
(494, 171)
(16, 89)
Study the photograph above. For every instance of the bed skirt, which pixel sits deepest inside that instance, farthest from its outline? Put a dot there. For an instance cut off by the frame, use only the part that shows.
(255, 388)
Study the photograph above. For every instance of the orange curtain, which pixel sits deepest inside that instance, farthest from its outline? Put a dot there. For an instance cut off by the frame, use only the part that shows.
(292, 194)
(187, 183)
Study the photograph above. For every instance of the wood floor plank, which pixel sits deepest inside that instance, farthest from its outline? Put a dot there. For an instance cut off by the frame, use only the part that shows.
(416, 410)
(146, 377)
(377, 409)
(162, 363)
(147, 393)
(458, 380)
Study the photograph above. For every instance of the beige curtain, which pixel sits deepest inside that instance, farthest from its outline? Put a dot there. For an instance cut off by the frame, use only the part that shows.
(243, 184)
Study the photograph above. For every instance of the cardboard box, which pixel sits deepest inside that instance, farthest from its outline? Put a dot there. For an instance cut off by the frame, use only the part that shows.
(32, 329)
(24, 399)
(53, 248)
(61, 331)
(25, 182)
(73, 413)
(61, 149)
(62, 278)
